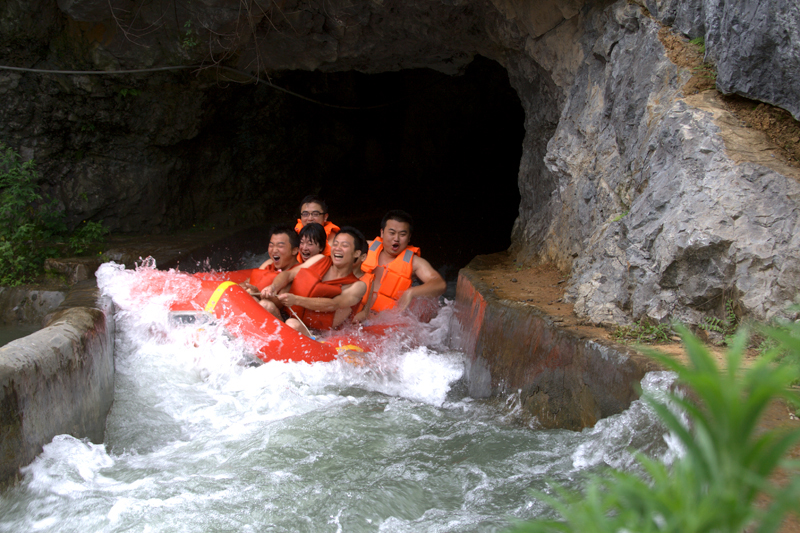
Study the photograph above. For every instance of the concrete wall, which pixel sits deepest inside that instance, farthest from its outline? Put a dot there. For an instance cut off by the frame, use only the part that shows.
(565, 380)
(57, 380)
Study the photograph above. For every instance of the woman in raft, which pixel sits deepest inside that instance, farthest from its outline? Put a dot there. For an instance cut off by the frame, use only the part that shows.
(312, 242)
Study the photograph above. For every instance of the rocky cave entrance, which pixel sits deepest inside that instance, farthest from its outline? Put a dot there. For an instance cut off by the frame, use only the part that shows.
(445, 148)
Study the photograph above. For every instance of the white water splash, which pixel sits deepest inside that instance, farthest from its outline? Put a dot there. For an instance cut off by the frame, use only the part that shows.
(613, 440)
(197, 440)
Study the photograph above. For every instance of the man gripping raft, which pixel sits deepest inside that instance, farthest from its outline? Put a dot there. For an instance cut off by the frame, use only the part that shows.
(283, 251)
(314, 209)
(324, 292)
(395, 264)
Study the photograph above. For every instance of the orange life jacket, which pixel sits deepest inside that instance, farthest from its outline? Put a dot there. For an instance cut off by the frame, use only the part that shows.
(263, 278)
(367, 278)
(308, 282)
(396, 275)
(329, 227)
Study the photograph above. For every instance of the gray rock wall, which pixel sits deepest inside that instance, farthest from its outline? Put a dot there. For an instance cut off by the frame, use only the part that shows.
(755, 44)
(624, 182)
(704, 231)
(26, 306)
(655, 212)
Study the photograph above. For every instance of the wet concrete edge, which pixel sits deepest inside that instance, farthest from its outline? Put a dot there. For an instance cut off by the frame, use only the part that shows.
(57, 380)
(563, 378)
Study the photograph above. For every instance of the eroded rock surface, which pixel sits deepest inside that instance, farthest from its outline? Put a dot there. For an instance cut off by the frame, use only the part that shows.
(704, 231)
(754, 43)
(623, 181)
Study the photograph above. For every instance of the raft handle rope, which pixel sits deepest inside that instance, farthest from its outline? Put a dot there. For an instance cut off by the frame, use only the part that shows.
(308, 331)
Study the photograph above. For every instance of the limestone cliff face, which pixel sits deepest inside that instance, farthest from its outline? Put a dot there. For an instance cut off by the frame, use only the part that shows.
(655, 208)
(634, 188)
(755, 45)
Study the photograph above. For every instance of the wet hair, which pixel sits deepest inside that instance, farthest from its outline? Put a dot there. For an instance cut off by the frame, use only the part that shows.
(315, 232)
(314, 199)
(400, 216)
(294, 239)
(358, 238)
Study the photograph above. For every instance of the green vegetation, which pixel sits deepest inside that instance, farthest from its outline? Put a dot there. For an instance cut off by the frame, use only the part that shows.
(620, 216)
(127, 91)
(189, 36)
(724, 326)
(32, 228)
(707, 70)
(727, 459)
(644, 331)
(86, 236)
(700, 43)
(782, 341)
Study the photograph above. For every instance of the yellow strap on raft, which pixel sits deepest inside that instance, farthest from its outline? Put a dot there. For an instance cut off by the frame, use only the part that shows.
(348, 356)
(212, 302)
(350, 348)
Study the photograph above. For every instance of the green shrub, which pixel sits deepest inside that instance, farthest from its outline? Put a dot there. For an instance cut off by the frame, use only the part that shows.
(31, 226)
(20, 228)
(88, 234)
(727, 461)
(724, 326)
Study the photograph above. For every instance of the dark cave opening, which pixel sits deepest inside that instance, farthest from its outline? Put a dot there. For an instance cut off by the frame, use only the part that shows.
(444, 148)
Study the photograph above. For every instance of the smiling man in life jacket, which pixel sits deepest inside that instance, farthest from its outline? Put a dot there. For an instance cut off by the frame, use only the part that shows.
(314, 209)
(324, 291)
(283, 251)
(394, 264)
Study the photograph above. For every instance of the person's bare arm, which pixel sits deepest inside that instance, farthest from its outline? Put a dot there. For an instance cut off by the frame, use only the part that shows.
(433, 285)
(280, 281)
(251, 289)
(349, 297)
(286, 277)
(266, 263)
(364, 313)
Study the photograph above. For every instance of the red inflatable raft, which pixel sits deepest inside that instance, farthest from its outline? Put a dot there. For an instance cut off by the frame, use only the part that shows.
(200, 298)
(269, 338)
(216, 296)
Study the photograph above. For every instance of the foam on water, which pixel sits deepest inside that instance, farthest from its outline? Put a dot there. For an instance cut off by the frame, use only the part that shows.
(197, 440)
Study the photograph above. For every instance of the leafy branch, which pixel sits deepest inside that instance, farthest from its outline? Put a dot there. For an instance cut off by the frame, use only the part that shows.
(728, 460)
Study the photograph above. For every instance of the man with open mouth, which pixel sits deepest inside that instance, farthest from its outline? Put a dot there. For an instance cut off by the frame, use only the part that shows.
(395, 264)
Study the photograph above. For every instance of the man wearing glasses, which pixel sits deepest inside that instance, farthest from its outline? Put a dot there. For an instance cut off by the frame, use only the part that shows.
(314, 209)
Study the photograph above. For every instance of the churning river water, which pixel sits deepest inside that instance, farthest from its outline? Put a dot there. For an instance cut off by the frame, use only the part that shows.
(198, 440)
